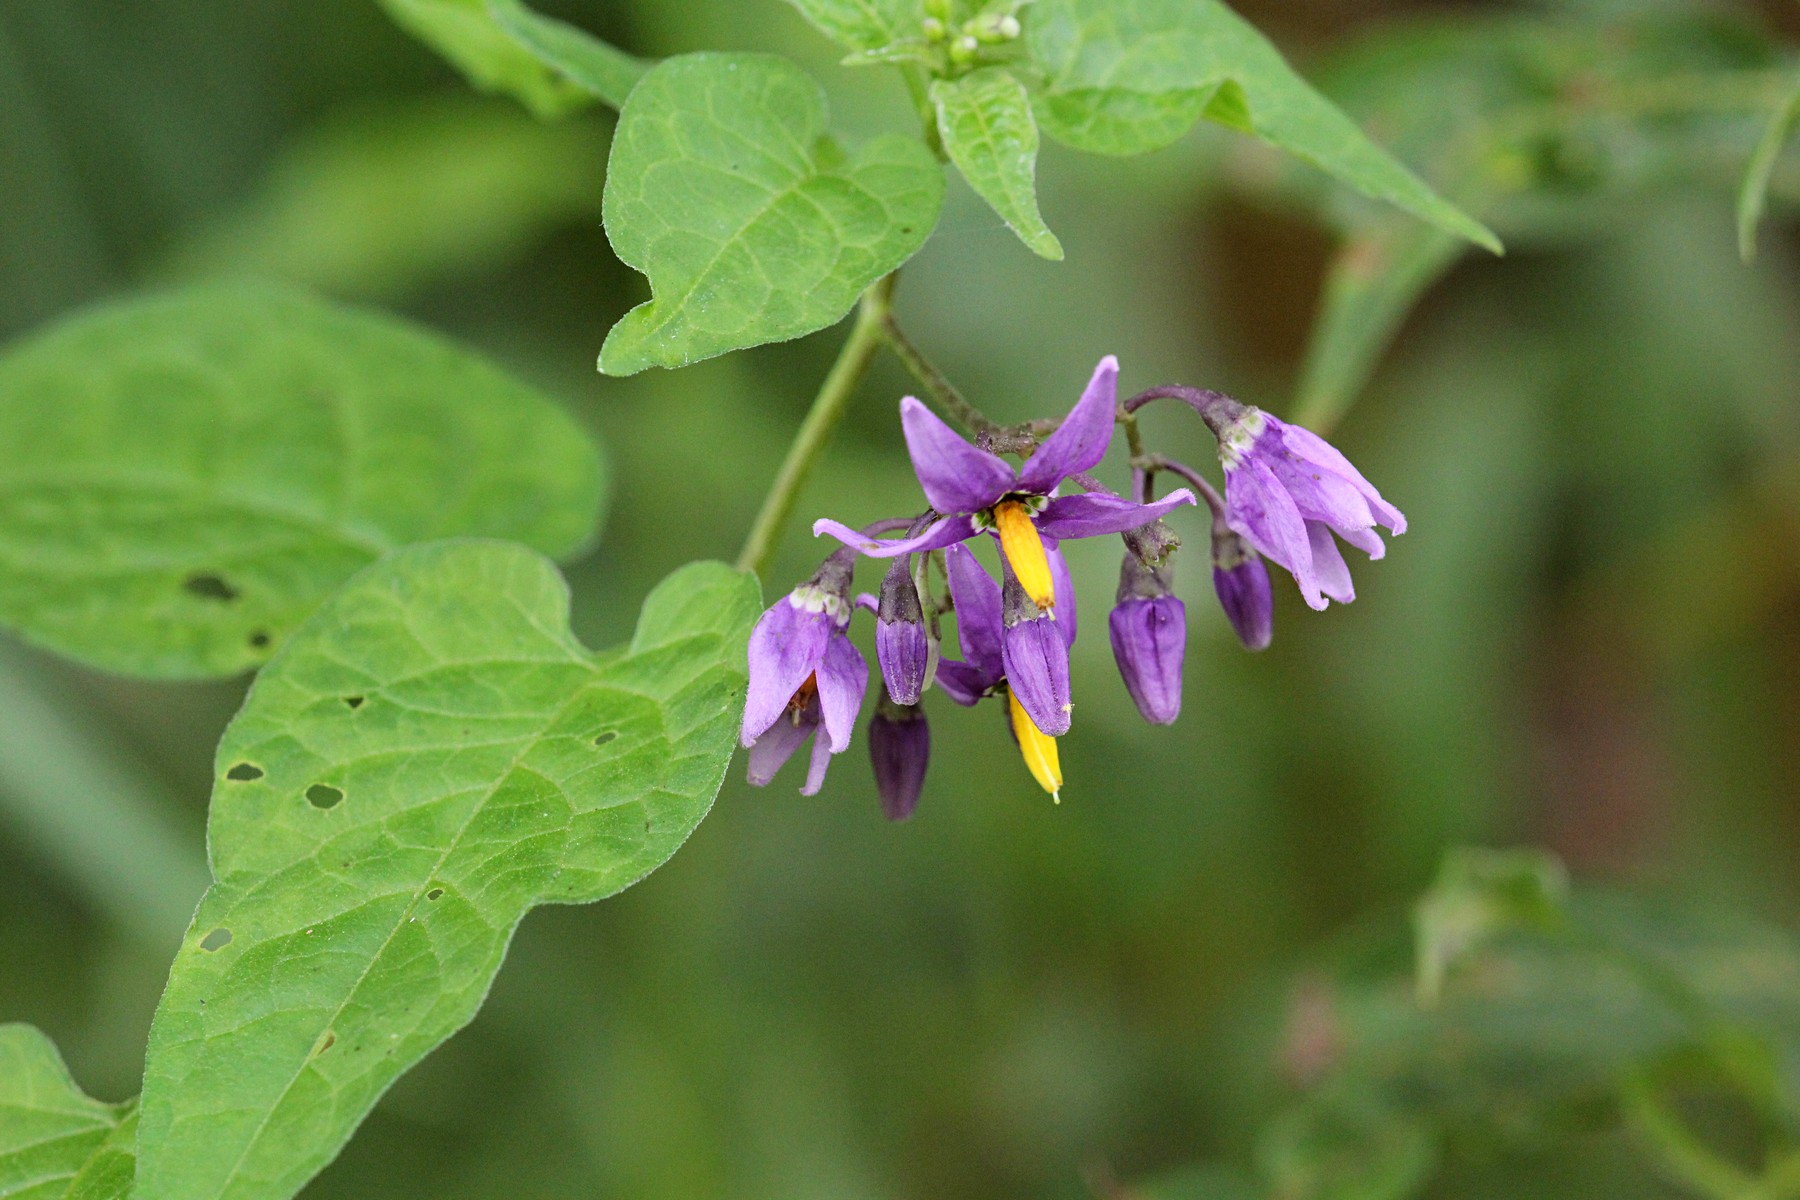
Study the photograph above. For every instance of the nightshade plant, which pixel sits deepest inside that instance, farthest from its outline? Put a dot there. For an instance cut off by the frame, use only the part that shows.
(245, 477)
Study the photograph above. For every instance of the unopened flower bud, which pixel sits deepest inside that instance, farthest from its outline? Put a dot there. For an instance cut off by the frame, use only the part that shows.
(935, 29)
(1149, 640)
(902, 645)
(993, 27)
(938, 9)
(964, 49)
(899, 750)
(1242, 582)
(1036, 657)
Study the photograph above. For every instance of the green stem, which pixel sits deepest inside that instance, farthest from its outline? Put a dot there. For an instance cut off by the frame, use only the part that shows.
(866, 337)
(943, 393)
(1685, 1159)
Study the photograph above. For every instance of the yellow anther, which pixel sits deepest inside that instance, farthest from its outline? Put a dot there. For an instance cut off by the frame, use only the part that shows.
(1024, 550)
(1038, 747)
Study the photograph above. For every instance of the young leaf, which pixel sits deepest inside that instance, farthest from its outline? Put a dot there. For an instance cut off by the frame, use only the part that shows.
(1754, 193)
(862, 24)
(55, 1142)
(987, 127)
(751, 223)
(194, 472)
(1128, 76)
(428, 758)
(547, 65)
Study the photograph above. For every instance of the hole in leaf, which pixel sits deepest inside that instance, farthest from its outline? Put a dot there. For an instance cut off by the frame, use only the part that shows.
(208, 586)
(353, 702)
(218, 939)
(244, 772)
(600, 739)
(323, 795)
(259, 639)
(434, 893)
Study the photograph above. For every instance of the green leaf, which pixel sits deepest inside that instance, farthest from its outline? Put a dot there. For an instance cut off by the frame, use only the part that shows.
(751, 223)
(987, 127)
(195, 472)
(1346, 1147)
(390, 199)
(1477, 895)
(428, 758)
(549, 66)
(1128, 76)
(863, 24)
(1754, 193)
(55, 1142)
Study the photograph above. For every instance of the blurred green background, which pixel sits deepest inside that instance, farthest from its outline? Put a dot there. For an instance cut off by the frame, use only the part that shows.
(1590, 641)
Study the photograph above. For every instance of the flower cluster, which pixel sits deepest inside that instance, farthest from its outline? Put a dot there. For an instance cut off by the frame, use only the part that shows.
(1286, 493)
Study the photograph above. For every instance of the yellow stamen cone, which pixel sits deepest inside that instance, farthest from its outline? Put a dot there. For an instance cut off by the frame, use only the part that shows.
(1024, 551)
(1039, 749)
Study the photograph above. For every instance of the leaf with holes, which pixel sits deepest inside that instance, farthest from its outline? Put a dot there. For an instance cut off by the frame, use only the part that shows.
(863, 24)
(428, 758)
(751, 223)
(987, 127)
(547, 65)
(56, 1143)
(1128, 76)
(192, 474)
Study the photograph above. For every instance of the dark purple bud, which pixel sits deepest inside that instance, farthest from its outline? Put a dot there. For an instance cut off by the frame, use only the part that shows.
(1036, 658)
(1242, 582)
(900, 750)
(902, 645)
(1149, 640)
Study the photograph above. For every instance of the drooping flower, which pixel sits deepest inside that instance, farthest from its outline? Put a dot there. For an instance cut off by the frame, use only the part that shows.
(982, 672)
(900, 751)
(1287, 491)
(1148, 625)
(902, 645)
(1242, 583)
(804, 674)
(975, 491)
(1034, 655)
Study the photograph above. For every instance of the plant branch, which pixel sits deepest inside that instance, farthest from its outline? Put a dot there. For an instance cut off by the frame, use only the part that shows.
(943, 393)
(859, 350)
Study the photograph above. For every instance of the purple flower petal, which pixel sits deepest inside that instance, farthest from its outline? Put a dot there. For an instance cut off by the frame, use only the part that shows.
(1096, 513)
(1328, 564)
(1064, 586)
(779, 741)
(1311, 446)
(815, 770)
(785, 648)
(977, 599)
(1322, 495)
(903, 651)
(1149, 639)
(1260, 510)
(963, 683)
(957, 477)
(1366, 540)
(843, 681)
(1037, 670)
(900, 752)
(1082, 438)
(946, 532)
(1248, 601)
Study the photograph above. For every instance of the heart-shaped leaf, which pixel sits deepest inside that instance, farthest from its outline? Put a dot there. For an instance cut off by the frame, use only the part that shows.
(1128, 76)
(55, 1143)
(988, 130)
(189, 475)
(752, 225)
(428, 758)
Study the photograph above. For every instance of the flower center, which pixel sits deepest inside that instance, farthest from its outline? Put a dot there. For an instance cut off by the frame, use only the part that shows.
(1024, 550)
(1239, 435)
(803, 695)
(1038, 748)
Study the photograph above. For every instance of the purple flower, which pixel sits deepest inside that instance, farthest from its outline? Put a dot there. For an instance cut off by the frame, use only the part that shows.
(804, 673)
(1287, 491)
(902, 646)
(1149, 639)
(976, 491)
(1243, 586)
(1034, 653)
(899, 750)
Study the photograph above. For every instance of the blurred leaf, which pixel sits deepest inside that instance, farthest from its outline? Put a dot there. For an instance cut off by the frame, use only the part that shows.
(986, 123)
(1478, 894)
(200, 469)
(862, 24)
(549, 66)
(1128, 76)
(109, 1172)
(752, 225)
(1754, 194)
(54, 1141)
(1345, 1147)
(431, 756)
(1195, 1183)
(383, 202)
